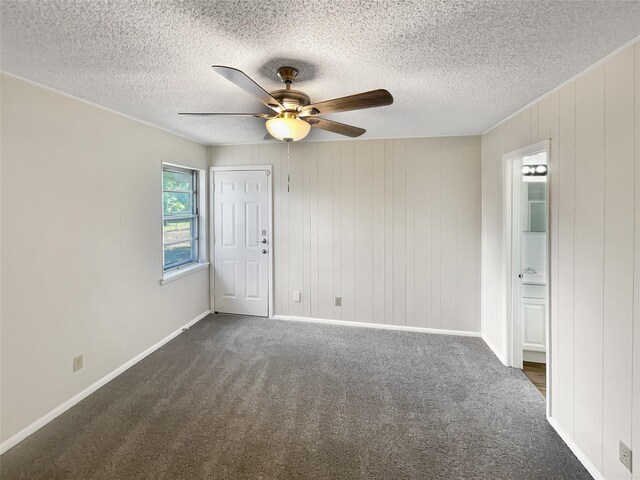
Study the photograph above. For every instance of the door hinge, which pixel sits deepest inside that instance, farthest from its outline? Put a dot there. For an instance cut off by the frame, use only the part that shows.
(267, 172)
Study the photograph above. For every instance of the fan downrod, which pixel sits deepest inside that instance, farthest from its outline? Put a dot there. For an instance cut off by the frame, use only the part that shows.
(293, 100)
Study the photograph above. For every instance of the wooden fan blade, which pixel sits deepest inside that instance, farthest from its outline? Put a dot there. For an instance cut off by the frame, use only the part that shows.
(242, 80)
(219, 114)
(335, 127)
(359, 101)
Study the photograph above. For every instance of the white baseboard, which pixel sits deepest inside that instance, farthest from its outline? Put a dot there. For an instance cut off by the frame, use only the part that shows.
(382, 326)
(591, 468)
(502, 357)
(42, 421)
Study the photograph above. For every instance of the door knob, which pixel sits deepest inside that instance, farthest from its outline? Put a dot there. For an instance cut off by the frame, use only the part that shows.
(264, 251)
(264, 240)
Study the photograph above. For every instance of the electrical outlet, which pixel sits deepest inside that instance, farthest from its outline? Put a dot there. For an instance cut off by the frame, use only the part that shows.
(77, 363)
(297, 296)
(625, 455)
(338, 301)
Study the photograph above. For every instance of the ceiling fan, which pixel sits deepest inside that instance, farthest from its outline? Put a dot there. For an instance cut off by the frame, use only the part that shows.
(293, 114)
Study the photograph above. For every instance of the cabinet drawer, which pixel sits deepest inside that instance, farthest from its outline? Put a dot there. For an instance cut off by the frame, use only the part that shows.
(534, 291)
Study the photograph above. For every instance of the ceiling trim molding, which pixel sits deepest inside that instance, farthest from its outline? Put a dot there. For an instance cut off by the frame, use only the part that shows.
(359, 139)
(566, 82)
(102, 107)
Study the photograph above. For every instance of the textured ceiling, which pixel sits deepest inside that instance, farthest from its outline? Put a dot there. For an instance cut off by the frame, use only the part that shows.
(454, 67)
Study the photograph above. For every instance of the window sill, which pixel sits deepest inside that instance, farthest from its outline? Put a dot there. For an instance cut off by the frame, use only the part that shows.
(173, 275)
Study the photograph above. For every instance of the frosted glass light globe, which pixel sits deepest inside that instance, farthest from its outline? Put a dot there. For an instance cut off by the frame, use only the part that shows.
(288, 128)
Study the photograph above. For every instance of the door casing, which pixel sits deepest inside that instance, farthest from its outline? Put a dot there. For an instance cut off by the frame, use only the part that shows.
(512, 290)
(240, 168)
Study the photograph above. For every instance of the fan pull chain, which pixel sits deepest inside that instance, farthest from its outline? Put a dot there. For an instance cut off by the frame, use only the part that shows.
(288, 165)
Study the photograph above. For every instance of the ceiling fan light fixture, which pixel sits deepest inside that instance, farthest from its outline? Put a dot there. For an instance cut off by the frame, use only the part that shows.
(294, 112)
(288, 126)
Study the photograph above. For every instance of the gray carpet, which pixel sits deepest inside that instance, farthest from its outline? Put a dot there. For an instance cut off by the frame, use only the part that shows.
(240, 397)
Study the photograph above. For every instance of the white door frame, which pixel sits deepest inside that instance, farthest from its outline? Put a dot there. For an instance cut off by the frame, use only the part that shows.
(514, 308)
(240, 168)
(511, 255)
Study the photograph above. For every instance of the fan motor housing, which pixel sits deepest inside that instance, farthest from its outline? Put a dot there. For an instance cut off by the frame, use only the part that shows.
(292, 99)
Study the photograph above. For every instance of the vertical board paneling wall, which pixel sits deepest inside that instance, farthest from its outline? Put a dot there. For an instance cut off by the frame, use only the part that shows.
(594, 126)
(391, 226)
(82, 249)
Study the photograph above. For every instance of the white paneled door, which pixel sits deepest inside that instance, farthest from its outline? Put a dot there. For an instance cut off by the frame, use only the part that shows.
(241, 242)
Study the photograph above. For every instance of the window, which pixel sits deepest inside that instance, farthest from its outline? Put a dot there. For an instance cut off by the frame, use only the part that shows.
(180, 222)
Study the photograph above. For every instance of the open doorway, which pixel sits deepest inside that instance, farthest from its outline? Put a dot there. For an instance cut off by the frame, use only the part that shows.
(528, 261)
(534, 261)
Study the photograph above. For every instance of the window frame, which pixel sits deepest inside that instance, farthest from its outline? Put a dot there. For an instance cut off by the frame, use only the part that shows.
(196, 217)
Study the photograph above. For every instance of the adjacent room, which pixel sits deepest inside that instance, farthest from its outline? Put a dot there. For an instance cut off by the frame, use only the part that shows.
(265, 239)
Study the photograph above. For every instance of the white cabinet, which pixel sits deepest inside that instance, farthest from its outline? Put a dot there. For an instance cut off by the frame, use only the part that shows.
(533, 316)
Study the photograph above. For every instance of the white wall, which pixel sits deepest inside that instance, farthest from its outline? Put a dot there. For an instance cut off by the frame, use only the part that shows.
(391, 226)
(81, 247)
(594, 126)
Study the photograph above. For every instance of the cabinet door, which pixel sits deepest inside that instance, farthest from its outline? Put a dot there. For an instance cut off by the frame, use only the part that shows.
(533, 316)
